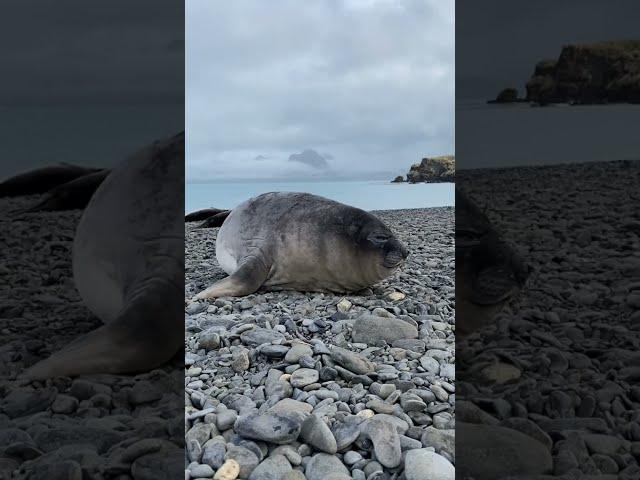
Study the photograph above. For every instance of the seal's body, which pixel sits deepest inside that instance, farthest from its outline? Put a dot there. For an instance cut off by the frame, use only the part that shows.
(215, 221)
(203, 214)
(128, 266)
(42, 180)
(72, 195)
(299, 241)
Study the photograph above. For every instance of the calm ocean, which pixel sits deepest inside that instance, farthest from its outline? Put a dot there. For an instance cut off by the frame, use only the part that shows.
(368, 195)
(521, 135)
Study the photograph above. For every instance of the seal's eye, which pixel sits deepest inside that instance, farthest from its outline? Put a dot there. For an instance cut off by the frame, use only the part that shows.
(378, 239)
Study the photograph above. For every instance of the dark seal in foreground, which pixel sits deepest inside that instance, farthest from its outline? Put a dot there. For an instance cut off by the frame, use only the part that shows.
(299, 241)
(128, 266)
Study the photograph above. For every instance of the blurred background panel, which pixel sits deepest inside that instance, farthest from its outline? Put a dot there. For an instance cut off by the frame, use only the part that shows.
(547, 263)
(88, 83)
(83, 87)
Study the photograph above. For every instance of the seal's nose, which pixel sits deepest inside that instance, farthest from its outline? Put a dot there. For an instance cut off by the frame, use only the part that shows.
(394, 245)
(403, 251)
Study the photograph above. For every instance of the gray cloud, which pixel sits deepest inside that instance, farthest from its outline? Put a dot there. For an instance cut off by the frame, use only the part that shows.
(370, 82)
(311, 158)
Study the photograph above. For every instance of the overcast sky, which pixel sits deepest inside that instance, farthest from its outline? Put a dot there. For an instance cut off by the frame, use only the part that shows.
(325, 89)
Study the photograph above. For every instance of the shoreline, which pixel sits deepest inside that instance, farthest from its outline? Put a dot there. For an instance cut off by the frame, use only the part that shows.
(560, 357)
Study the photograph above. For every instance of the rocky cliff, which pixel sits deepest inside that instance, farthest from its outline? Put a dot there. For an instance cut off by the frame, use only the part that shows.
(432, 170)
(584, 74)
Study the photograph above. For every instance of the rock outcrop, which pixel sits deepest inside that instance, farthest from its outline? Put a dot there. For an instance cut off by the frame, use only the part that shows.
(507, 95)
(605, 72)
(433, 170)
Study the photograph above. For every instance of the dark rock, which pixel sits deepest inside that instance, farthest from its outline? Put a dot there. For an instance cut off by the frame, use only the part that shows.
(487, 452)
(586, 74)
(507, 95)
(23, 401)
(268, 427)
(433, 170)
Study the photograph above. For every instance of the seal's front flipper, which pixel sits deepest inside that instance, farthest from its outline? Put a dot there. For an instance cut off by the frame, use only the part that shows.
(148, 332)
(247, 279)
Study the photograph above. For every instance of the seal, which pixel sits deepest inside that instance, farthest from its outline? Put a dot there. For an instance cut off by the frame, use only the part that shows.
(215, 221)
(72, 195)
(128, 266)
(299, 241)
(42, 180)
(202, 214)
(489, 272)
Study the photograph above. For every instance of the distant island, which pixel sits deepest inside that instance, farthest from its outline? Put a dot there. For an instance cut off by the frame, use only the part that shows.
(599, 73)
(431, 170)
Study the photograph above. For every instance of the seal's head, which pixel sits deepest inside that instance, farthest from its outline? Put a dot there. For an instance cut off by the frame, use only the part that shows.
(374, 238)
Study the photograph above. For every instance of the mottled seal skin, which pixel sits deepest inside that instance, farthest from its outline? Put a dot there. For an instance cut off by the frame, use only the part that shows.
(299, 241)
(42, 180)
(203, 214)
(72, 195)
(128, 266)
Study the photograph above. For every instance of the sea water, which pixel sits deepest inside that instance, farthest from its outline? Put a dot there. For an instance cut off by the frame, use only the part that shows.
(515, 135)
(368, 195)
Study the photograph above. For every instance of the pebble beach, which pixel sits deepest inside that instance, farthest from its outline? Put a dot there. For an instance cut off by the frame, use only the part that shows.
(551, 387)
(97, 426)
(314, 385)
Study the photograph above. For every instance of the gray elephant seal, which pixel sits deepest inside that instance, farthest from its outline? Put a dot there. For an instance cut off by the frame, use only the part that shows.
(72, 195)
(42, 180)
(299, 241)
(203, 214)
(215, 221)
(128, 266)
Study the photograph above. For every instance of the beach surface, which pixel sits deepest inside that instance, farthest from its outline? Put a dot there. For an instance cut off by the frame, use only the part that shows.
(63, 427)
(326, 384)
(561, 363)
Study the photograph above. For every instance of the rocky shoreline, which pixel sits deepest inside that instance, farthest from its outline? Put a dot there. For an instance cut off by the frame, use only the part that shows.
(317, 386)
(598, 73)
(560, 365)
(431, 170)
(97, 426)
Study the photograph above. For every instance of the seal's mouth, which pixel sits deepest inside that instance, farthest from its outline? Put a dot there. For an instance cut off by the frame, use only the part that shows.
(393, 259)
